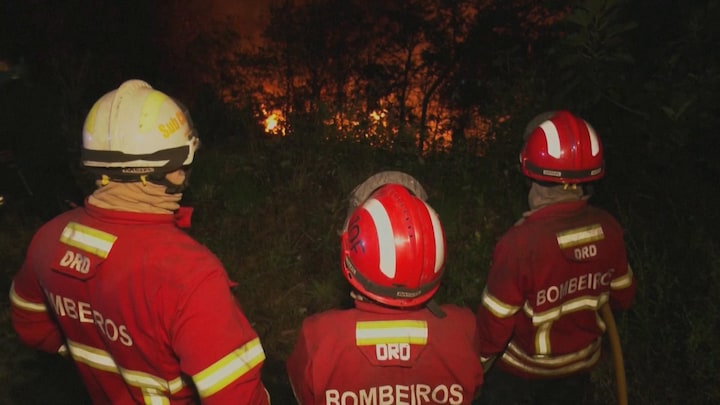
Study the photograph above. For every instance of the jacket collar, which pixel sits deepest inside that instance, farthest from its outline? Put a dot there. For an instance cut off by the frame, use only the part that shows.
(181, 218)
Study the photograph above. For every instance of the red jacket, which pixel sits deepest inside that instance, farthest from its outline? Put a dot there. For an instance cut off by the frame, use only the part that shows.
(375, 355)
(140, 306)
(550, 275)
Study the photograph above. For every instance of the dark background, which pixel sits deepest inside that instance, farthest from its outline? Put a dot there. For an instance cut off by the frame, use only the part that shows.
(644, 73)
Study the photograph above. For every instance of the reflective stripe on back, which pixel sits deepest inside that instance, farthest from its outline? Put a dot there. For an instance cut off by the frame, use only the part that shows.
(401, 331)
(88, 239)
(580, 236)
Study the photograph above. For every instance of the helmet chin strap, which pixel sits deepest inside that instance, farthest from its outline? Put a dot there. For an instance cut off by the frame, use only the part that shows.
(431, 304)
(170, 187)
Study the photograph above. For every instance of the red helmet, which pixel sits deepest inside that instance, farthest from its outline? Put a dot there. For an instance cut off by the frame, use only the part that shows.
(563, 149)
(393, 249)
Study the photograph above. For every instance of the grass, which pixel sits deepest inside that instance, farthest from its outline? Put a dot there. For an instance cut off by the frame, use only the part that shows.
(271, 211)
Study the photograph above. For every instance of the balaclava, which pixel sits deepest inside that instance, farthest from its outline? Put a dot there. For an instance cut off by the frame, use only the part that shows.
(144, 197)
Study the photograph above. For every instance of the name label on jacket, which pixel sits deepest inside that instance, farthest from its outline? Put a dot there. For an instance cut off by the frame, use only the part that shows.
(75, 261)
(82, 312)
(413, 394)
(392, 351)
(589, 281)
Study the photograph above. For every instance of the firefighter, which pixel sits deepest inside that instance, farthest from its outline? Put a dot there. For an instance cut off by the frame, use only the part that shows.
(396, 346)
(551, 273)
(145, 312)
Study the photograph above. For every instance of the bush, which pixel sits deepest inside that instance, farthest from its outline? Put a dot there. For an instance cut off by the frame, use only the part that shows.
(272, 212)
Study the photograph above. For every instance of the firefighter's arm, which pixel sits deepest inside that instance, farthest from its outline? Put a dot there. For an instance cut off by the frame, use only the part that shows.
(496, 322)
(299, 369)
(479, 376)
(487, 362)
(501, 299)
(622, 285)
(216, 345)
(495, 329)
(622, 289)
(32, 322)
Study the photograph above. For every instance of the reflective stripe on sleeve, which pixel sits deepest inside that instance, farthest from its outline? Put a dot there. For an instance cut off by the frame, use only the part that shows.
(93, 357)
(370, 333)
(154, 388)
(24, 304)
(497, 307)
(623, 281)
(88, 239)
(229, 368)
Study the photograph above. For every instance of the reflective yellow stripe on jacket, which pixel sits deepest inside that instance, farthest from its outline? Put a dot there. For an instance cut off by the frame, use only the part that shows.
(497, 307)
(580, 236)
(229, 368)
(544, 320)
(552, 365)
(370, 333)
(24, 304)
(88, 239)
(154, 388)
(624, 281)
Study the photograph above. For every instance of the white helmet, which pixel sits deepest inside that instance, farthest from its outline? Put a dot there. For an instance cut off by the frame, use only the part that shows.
(135, 132)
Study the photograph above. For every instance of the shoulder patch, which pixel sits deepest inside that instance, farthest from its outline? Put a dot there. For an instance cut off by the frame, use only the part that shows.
(391, 343)
(81, 250)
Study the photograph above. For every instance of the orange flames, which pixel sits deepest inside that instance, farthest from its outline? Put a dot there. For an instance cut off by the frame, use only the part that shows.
(274, 122)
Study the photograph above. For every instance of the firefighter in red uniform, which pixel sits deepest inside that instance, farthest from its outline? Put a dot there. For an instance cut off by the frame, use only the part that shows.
(551, 272)
(396, 346)
(144, 311)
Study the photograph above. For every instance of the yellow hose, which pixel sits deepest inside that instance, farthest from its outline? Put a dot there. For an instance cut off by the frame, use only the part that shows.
(620, 381)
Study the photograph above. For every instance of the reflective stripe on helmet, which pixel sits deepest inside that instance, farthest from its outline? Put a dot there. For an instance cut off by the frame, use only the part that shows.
(439, 239)
(552, 138)
(385, 235)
